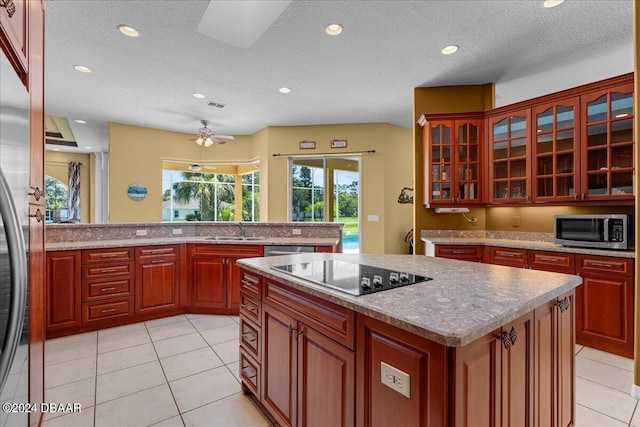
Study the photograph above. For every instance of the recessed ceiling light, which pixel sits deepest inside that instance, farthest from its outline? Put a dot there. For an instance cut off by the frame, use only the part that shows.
(333, 29)
(448, 50)
(284, 90)
(55, 149)
(80, 121)
(88, 148)
(199, 95)
(128, 30)
(82, 68)
(552, 3)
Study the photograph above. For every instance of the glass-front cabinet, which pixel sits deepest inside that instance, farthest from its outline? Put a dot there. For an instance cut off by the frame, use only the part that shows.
(608, 138)
(556, 151)
(508, 157)
(453, 152)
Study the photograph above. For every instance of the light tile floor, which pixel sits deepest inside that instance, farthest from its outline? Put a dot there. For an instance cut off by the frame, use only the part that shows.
(183, 371)
(175, 371)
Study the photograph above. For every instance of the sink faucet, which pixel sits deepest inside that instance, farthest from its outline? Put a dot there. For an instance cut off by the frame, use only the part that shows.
(241, 225)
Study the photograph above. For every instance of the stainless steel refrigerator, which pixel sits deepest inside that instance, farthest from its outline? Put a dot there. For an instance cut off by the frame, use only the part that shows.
(14, 226)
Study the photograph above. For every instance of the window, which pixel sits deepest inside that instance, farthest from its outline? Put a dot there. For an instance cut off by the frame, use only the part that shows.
(56, 200)
(251, 196)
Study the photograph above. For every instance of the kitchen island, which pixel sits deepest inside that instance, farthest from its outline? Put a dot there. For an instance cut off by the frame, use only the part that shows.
(476, 345)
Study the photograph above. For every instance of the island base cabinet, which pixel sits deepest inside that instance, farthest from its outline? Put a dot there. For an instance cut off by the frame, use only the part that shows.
(308, 379)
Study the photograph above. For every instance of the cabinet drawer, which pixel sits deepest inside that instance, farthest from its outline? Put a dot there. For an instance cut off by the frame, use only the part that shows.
(238, 251)
(101, 255)
(250, 372)
(121, 287)
(604, 265)
(166, 251)
(467, 253)
(327, 318)
(250, 283)
(106, 310)
(250, 338)
(250, 308)
(507, 256)
(552, 261)
(105, 270)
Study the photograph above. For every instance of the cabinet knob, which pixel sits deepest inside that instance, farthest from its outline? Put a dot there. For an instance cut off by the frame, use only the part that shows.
(8, 4)
(38, 215)
(508, 338)
(37, 192)
(563, 304)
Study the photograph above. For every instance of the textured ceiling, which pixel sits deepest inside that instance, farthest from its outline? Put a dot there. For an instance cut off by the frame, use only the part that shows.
(366, 74)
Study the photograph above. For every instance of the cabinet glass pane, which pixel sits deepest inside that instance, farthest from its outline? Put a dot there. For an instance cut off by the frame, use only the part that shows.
(597, 183)
(463, 153)
(621, 183)
(564, 140)
(473, 134)
(622, 157)
(518, 168)
(435, 134)
(473, 153)
(500, 150)
(445, 175)
(501, 190)
(545, 121)
(622, 131)
(545, 165)
(446, 192)
(435, 173)
(597, 160)
(446, 154)
(565, 117)
(519, 147)
(621, 105)
(467, 172)
(435, 191)
(597, 110)
(518, 127)
(500, 170)
(500, 130)
(446, 135)
(462, 134)
(545, 187)
(518, 189)
(435, 154)
(564, 186)
(596, 135)
(545, 143)
(564, 163)
(468, 191)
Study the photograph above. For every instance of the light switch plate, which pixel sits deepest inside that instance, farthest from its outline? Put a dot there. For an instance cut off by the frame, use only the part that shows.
(395, 379)
(296, 231)
(177, 231)
(373, 218)
(141, 232)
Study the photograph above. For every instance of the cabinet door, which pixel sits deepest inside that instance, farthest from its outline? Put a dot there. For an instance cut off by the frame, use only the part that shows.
(566, 366)
(508, 158)
(440, 163)
(512, 257)
(234, 277)
(556, 161)
(278, 365)
(608, 135)
(13, 35)
(208, 277)
(326, 380)
(461, 252)
(63, 289)
(468, 153)
(157, 282)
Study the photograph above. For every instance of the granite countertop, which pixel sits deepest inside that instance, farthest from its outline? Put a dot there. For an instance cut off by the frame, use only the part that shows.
(463, 302)
(142, 241)
(525, 244)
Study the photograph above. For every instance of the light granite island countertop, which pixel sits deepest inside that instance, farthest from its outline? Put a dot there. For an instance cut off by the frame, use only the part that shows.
(462, 303)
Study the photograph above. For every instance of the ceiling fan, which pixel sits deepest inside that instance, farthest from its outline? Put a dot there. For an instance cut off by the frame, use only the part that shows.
(206, 136)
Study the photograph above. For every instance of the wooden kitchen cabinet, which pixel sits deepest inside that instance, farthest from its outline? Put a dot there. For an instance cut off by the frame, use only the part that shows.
(604, 314)
(512, 257)
(559, 262)
(215, 277)
(508, 157)
(13, 35)
(608, 135)
(63, 290)
(556, 151)
(157, 281)
(461, 252)
(251, 333)
(453, 150)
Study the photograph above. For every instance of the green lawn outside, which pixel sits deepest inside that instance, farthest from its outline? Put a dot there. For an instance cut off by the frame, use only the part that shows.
(350, 224)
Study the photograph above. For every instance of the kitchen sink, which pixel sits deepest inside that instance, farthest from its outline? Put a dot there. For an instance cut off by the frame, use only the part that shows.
(235, 238)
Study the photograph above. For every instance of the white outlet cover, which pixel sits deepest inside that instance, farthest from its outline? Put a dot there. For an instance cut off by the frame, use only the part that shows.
(373, 218)
(141, 232)
(177, 231)
(395, 379)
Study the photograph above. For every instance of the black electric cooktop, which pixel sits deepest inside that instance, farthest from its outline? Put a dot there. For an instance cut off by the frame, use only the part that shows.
(350, 277)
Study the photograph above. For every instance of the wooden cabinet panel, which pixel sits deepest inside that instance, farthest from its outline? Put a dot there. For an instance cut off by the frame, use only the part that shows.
(552, 261)
(251, 284)
(234, 278)
(250, 338)
(511, 257)
(326, 381)
(63, 294)
(250, 373)
(104, 270)
(207, 281)
(111, 288)
(143, 252)
(14, 35)
(566, 367)
(461, 252)
(111, 254)
(157, 283)
(92, 312)
(250, 308)
(604, 265)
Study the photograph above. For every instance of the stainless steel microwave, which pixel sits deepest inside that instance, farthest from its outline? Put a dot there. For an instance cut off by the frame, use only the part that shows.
(614, 231)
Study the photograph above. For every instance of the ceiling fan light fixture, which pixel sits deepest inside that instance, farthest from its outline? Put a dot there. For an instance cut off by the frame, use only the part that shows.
(200, 140)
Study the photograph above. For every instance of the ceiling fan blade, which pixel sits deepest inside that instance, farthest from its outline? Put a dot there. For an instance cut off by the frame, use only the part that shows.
(231, 137)
(217, 140)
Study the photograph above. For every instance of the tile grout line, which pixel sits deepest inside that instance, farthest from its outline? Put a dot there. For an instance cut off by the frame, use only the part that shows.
(633, 413)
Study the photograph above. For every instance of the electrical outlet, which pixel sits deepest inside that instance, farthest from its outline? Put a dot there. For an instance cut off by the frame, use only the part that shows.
(141, 232)
(395, 379)
(177, 231)
(296, 231)
(515, 221)
(373, 218)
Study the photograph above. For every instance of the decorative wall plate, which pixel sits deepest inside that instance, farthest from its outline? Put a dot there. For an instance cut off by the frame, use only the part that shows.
(137, 192)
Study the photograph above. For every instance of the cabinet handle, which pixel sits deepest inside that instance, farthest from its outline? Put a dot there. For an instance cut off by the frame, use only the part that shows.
(11, 8)
(108, 289)
(549, 259)
(248, 335)
(602, 264)
(457, 252)
(295, 332)
(245, 282)
(37, 192)
(244, 371)
(563, 304)
(509, 254)
(576, 196)
(109, 310)
(108, 255)
(249, 308)
(157, 261)
(108, 270)
(508, 338)
(38, 215)
(582, 196)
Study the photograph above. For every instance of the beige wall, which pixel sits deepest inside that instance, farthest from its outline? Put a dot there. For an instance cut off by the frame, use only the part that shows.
(136, 155)
(57, 166)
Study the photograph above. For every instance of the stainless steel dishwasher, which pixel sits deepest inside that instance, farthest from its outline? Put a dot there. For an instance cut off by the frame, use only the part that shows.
(273, 250)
